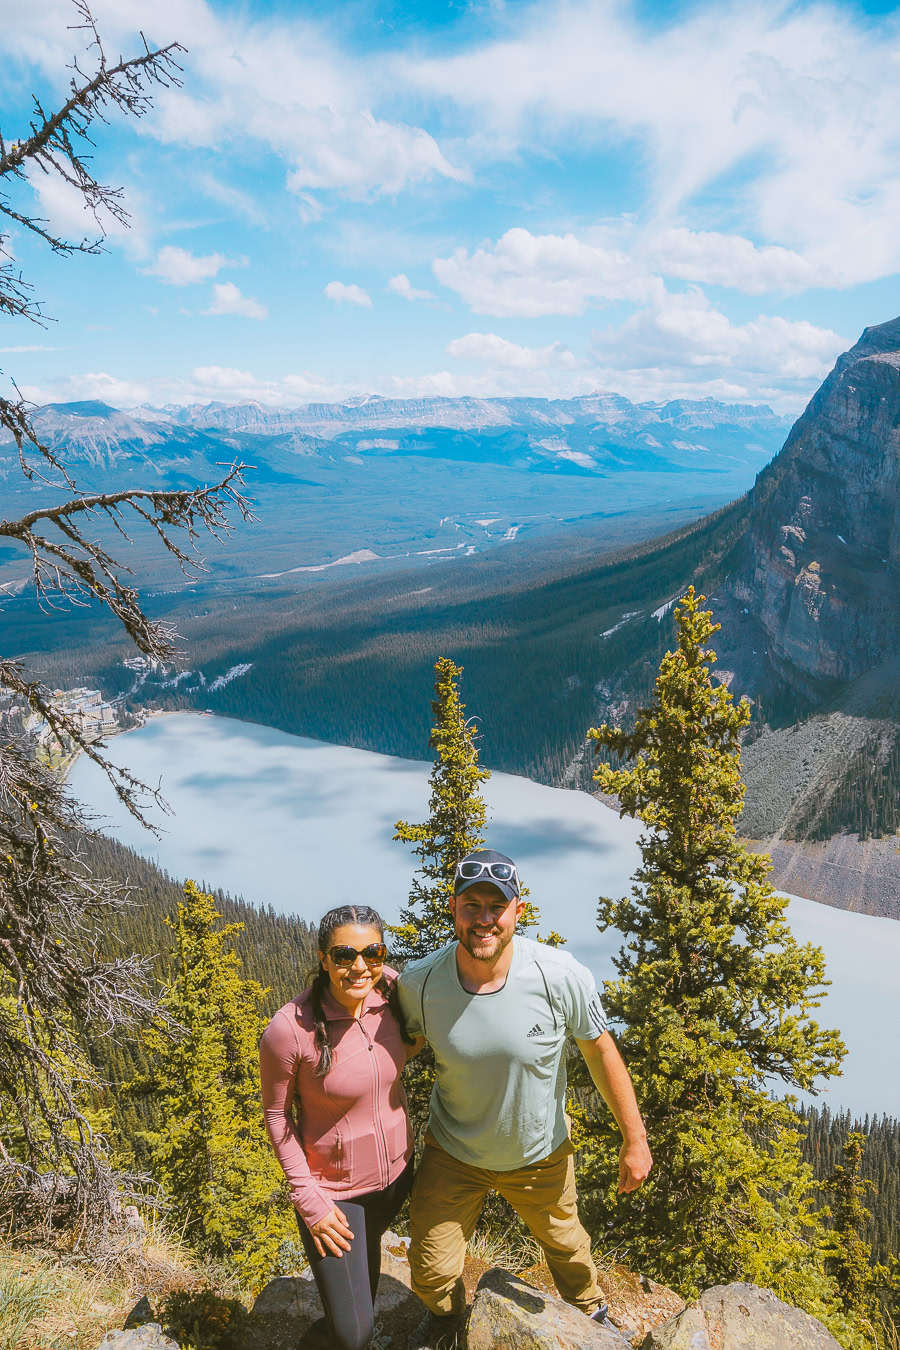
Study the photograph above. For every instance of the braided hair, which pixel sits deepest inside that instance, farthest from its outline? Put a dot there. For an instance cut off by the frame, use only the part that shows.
(366, 917)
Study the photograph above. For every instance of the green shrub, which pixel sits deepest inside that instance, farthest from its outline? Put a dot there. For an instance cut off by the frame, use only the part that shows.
(203, 1320)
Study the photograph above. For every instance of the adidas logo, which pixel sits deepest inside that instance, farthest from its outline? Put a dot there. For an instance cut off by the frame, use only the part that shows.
(535, 1031)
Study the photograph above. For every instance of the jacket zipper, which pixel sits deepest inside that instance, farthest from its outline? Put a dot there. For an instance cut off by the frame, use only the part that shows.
(380, 1135)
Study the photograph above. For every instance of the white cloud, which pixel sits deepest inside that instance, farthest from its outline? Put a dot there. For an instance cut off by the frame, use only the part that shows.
(733, 261)
(786, 113)
(497, 351)
(683, 341)
(350, 295)
(201, 385)
(798, 104)
(284, 86)
(227, 299)
(239, 202)
(529, 275)
(30, 347)
(363, 156)
(400, 285)
(178, 267)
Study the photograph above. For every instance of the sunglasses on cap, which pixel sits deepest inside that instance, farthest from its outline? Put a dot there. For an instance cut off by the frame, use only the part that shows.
(373, 955)
(471, 868)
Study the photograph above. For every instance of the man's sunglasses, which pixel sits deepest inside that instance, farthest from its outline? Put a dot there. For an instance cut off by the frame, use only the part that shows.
(500, 871)
(373, 955)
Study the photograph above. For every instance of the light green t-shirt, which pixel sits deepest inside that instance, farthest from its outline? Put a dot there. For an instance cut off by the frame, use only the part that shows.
(500, 1084)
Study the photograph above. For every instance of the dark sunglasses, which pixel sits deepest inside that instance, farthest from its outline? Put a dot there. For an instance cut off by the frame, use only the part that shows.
(373, 955)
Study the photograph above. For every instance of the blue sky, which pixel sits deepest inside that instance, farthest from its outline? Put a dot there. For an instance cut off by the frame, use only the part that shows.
(484, 198)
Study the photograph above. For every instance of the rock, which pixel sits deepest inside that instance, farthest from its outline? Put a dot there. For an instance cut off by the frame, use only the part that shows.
(289, 1296)
(822, 550)
(150, 1336)
(141, 1313)
(287, 1306)
(394, 1292)
(508, 1314)
(740, 1317)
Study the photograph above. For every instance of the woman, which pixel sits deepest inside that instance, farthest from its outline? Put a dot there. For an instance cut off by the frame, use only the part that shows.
(337, 1051)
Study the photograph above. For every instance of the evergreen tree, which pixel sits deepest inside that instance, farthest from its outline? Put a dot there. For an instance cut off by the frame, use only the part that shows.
(211, 1154)
(850, 1260)
(713, 996)
(455, 827)
(455, 824)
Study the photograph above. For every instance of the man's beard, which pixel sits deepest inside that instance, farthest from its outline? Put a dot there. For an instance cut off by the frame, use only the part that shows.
(480, 953)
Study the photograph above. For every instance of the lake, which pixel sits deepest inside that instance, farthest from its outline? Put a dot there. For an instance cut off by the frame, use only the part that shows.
(302, 825)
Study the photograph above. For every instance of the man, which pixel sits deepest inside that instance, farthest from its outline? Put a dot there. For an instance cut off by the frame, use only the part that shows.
(497, 1008)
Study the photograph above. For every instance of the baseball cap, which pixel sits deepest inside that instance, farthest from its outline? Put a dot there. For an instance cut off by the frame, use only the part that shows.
(487, 865)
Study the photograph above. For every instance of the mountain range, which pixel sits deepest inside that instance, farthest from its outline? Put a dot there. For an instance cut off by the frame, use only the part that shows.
(598, 433)
(802, 570)
(379, 481)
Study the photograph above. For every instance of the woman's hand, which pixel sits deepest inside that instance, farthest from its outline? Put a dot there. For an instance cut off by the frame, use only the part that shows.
(332, 1234)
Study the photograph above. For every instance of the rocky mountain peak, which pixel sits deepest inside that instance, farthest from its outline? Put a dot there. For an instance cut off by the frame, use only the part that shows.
(822, 562)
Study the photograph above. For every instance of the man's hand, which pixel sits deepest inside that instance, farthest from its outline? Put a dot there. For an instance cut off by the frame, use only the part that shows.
(613, 1082)
(332, 1234)
(635, 1162)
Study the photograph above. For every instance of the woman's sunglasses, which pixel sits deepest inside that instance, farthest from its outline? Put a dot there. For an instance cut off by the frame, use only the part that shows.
(373, 955)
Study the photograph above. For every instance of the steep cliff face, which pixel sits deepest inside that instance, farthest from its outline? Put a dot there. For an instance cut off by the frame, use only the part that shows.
(821, 569)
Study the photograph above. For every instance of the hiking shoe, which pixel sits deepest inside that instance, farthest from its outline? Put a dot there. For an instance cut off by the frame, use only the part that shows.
(436, 1333)
(380, 1339)
(602, 1318)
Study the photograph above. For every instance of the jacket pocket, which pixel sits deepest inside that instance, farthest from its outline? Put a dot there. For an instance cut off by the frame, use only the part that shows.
(330, 1158)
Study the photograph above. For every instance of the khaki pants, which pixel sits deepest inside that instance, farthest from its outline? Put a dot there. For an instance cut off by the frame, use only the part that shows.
(446, 1201)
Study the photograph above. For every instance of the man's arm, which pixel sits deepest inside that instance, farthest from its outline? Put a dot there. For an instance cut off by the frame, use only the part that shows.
(613, 1082)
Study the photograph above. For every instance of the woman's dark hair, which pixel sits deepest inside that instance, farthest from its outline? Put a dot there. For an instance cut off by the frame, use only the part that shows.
(365, 917)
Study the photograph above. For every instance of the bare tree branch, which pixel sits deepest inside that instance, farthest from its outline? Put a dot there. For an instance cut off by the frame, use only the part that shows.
(52, 145)
(55, 981)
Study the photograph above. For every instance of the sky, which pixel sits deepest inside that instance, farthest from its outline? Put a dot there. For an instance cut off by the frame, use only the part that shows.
(494, 198)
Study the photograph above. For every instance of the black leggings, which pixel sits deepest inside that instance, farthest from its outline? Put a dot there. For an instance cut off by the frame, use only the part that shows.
(347, 1283)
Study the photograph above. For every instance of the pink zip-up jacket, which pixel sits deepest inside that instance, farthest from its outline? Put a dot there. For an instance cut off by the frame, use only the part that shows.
(348, 1133)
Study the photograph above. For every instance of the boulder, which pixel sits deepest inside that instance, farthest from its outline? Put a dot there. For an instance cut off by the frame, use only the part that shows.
(141, 1313)
(293, 1297)
(740, 1317)
(508, 1314)
(150, 1336)
(287, 1306)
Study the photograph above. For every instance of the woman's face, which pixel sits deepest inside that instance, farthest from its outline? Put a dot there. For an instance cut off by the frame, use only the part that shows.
(350, 983)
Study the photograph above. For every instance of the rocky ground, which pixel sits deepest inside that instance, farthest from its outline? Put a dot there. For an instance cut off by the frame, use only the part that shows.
(840, 872)
(522, 1312)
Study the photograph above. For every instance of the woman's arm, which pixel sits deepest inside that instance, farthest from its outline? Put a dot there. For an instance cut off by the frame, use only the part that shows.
(278, 1062)
(412, 1050)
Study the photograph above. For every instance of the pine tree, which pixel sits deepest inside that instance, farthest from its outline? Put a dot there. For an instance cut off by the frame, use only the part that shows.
(211, 1154)
(713, 998)
(850, 1257)
(455, 827)
(455, 824)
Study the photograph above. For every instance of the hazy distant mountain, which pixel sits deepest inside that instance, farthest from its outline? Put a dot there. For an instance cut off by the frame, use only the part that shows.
(600, 433)
(472, 414)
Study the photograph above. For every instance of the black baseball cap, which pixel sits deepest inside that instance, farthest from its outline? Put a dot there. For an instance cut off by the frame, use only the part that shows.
(486, 865)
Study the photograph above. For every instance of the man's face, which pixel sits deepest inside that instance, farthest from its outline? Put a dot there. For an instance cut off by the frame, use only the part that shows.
(485, 921)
